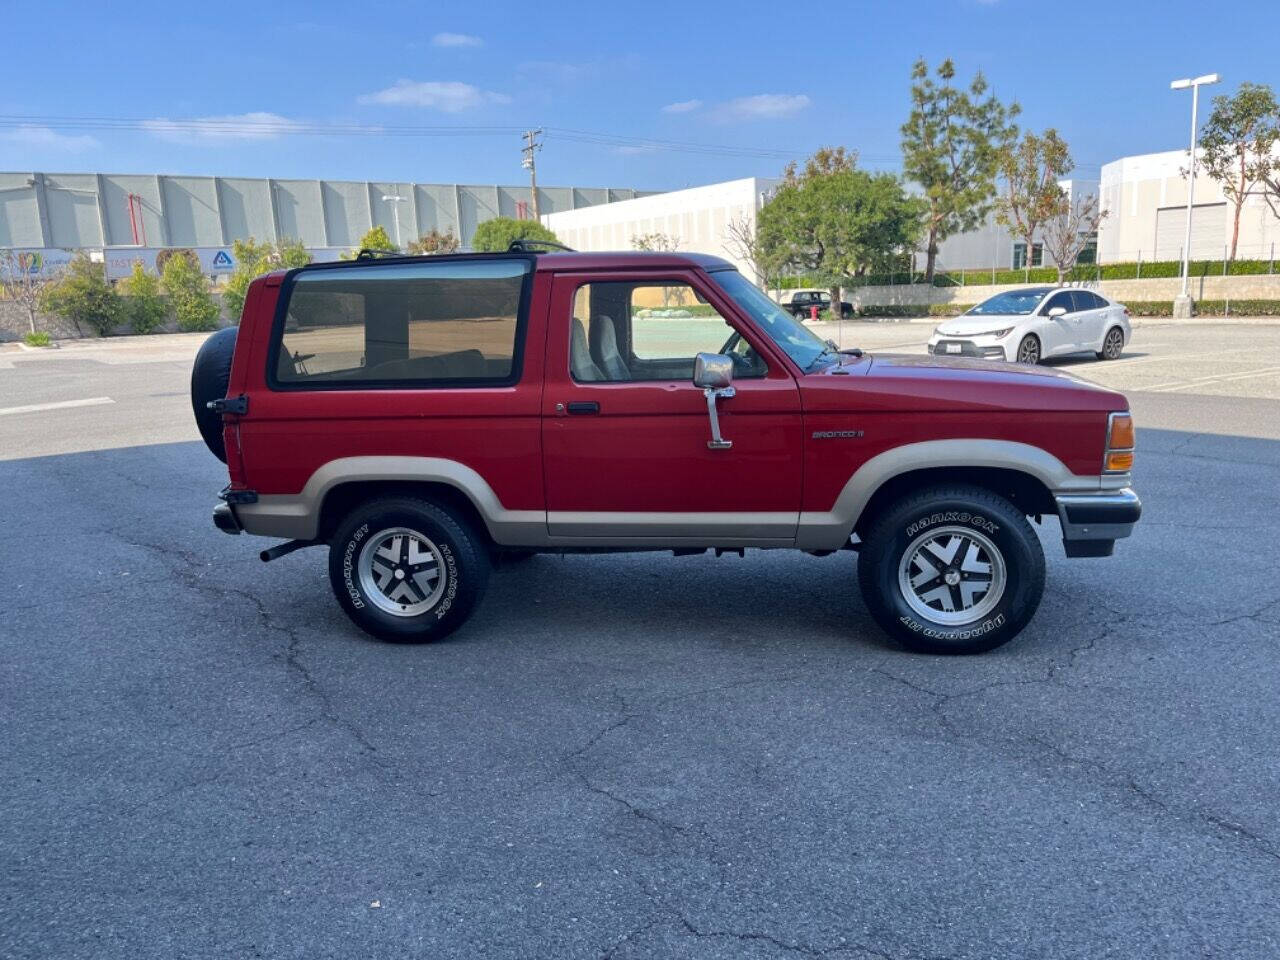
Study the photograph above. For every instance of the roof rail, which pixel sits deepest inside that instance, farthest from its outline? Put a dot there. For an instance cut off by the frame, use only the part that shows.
(367, 254)
(530, 245)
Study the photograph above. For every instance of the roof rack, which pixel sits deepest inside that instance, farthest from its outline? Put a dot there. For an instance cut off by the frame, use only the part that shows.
(529, 245)
(367, 254)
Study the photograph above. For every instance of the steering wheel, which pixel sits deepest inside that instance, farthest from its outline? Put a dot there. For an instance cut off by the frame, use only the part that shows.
(744, 363)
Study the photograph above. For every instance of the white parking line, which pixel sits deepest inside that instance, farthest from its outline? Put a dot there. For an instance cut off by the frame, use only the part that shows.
(1208, 381)
(60, 405)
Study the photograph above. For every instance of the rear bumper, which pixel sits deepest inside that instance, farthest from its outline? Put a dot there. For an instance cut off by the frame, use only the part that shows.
(1093, 522)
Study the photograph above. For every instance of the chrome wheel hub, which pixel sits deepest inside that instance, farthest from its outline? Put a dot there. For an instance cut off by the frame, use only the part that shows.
(952, 575)
(401, 572)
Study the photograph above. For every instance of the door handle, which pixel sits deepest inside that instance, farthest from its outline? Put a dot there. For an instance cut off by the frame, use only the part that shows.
(584, 406)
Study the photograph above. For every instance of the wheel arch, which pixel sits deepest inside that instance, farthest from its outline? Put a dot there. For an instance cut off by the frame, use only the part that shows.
(1026, 474)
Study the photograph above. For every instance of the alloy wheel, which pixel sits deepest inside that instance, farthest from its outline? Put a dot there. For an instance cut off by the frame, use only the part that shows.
(1029, 350)
(952, 575)
(1114, 344)
(401, 572)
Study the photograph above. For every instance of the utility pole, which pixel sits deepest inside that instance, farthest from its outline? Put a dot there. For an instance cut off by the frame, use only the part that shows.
(531, 145)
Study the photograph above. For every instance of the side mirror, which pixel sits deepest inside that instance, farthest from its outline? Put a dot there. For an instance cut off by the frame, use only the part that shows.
(1057, 313)
(712, 371)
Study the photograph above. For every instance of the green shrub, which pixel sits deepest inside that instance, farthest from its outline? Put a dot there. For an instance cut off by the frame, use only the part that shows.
(1207, 308)
(83, 296)
(188, 290)
(37, 339)
(496, 235)
(143, 304)
(253, 259)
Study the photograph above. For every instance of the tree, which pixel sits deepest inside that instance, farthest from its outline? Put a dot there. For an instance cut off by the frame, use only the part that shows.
(837, 223)
(951, 145)
(83, 296)
(1031, 169)
(433, 242)
(22, 282)
(188, 290)
(742, 240)
(496, 235)
(253, 259)
(1238, 143)
(143, 305)
(375, 238)
(656, 242)
(1066, 234)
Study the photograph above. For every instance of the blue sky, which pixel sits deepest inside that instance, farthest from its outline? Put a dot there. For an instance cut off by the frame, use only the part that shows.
(761, 78)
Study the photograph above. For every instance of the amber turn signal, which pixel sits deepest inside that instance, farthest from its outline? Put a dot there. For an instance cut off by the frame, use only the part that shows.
(1120, 461)
(1121, 437)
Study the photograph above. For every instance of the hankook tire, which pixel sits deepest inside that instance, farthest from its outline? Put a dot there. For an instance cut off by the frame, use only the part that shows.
(952, 570)
(407, 570)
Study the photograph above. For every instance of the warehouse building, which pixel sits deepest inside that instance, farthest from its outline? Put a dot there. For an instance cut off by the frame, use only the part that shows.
(129, 217)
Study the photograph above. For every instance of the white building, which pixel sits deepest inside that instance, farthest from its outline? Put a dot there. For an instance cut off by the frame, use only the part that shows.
(1145, 199)
(700, 220)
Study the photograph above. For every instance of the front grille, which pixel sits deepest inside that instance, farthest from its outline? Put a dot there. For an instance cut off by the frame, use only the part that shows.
(967, 349)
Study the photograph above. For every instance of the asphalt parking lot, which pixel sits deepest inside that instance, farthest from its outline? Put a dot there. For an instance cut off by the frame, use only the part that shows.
(630, 755)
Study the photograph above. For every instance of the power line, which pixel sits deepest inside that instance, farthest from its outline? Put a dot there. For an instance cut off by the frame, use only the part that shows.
(228, 127)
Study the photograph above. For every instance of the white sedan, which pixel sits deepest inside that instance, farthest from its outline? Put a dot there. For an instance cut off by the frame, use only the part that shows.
(1032, 324)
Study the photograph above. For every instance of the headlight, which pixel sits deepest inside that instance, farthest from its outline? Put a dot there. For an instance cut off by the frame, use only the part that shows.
(998, 334)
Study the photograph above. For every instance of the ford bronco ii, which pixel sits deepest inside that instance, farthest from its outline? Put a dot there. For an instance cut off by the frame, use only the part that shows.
(424, 417)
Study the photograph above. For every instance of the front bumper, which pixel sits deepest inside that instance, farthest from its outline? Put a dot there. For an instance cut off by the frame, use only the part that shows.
(1093, 522)
(980, 348)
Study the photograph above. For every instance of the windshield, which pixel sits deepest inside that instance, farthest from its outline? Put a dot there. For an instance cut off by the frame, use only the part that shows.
(795, 340)
(1012, 303)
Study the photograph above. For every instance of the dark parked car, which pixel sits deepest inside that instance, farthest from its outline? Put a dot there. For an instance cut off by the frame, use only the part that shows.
(802, 301)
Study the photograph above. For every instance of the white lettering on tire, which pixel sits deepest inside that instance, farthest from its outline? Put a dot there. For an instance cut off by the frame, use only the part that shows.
(971, 633)
(348, 566)
(952, 516)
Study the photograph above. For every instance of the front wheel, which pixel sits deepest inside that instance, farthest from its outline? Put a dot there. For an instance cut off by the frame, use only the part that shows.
(1029, 349)
(952, 570)
(407, 570)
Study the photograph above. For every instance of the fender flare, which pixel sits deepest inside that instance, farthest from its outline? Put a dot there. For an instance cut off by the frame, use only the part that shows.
(831, 529)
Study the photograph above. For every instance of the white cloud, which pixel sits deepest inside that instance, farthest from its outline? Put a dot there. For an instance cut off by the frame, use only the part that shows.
(451, 96)
(30, 135)
(764, 106)
(456, 40)
(258, 125)
(682, 106)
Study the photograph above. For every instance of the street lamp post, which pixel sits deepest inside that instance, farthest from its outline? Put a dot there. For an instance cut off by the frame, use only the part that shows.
(1182, 306)
(394, 200)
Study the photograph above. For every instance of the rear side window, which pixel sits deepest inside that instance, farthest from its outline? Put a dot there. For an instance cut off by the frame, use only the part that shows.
(452, 322)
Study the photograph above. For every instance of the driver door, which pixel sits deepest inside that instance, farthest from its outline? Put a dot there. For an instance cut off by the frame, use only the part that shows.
(625, 431)
(1058, 334)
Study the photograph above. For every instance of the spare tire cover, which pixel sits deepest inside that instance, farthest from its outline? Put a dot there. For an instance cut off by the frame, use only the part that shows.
(210, 375)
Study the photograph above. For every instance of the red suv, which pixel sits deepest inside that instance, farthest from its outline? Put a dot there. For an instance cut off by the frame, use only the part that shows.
(424, 417)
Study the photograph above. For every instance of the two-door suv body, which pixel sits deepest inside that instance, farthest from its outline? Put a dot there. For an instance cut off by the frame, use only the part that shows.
(426, 417)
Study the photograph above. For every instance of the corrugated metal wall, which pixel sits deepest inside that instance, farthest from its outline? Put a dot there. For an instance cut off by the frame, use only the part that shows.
(94, 210)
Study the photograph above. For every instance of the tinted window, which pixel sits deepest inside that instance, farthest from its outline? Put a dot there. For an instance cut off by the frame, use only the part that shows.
(453, 321)
(649, 331)
(1062, 300)
(1012, 303)
(1081, 300)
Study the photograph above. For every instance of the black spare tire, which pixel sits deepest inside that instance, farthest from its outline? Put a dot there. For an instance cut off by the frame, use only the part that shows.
(210, 375)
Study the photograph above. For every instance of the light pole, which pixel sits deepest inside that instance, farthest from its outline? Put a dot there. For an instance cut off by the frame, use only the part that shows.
(395, 199)
(1182, 305)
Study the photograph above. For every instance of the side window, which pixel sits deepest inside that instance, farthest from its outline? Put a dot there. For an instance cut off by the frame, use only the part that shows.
(1062, 300)
(628, 332)
(453, 322)
(1097, 302)
(1081, 300)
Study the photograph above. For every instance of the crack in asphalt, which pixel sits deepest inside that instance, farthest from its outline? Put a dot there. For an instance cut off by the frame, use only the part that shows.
(184, 569)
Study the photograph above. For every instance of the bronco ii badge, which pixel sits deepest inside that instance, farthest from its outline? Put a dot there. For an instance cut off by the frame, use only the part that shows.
(836, 434)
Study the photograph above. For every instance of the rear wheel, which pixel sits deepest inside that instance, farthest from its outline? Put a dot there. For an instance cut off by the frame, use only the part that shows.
(407, 570)
(952, 570)
(1029, 349)
(1112, 345)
